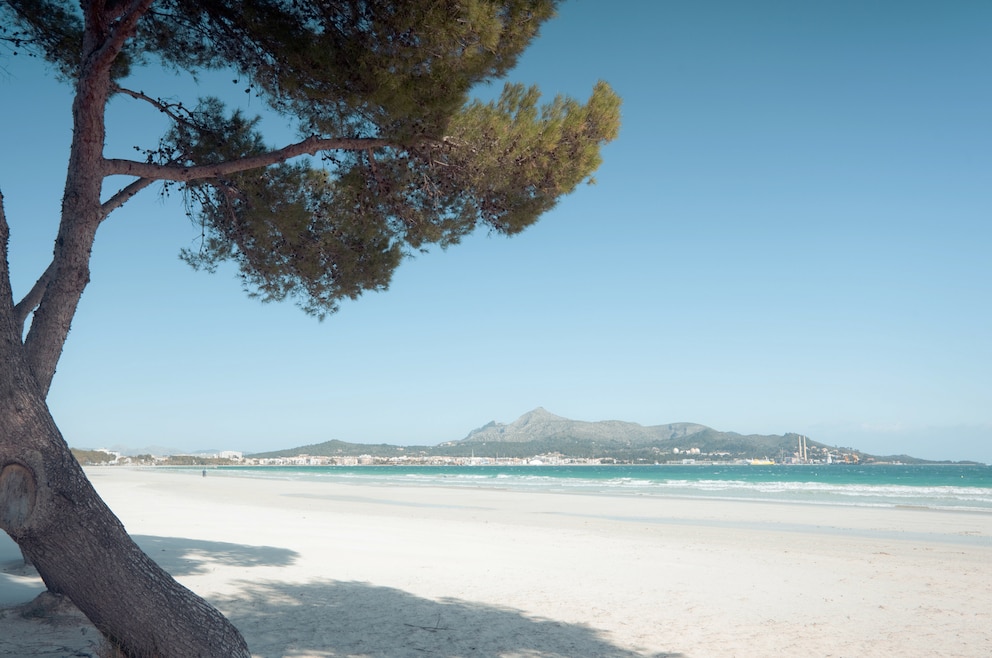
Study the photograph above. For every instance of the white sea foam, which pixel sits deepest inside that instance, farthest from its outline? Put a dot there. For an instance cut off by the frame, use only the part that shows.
(832, 487)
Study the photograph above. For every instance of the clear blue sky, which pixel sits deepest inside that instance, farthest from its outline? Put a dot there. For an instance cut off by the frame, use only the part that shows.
(792, 234)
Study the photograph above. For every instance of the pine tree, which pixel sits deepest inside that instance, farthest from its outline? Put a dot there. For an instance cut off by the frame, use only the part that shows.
(391, 158)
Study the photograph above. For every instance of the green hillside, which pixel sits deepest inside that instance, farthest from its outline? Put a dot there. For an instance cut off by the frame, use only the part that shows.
(541, 433)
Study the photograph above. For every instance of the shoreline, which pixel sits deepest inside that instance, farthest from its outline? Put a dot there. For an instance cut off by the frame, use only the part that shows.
(514, 463)
(894, 491)
(308, 568)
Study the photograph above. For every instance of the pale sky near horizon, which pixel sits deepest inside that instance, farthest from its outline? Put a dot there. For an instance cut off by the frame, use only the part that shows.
(791, 234)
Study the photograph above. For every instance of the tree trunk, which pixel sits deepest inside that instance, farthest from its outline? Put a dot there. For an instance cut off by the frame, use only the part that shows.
(78, 546)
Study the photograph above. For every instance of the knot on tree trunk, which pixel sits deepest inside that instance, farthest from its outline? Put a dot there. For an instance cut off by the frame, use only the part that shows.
(17, 498)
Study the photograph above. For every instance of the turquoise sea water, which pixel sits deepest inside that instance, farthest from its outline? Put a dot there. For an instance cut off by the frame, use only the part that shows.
(961, 487)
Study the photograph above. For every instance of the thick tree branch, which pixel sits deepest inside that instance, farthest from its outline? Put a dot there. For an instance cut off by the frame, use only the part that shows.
(31, 300)
(103, 39)
(127, 15)
(309, 146)
(6, 296)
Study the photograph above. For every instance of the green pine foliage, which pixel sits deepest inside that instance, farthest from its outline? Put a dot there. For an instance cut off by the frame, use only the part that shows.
(391, 157)
(425, 165)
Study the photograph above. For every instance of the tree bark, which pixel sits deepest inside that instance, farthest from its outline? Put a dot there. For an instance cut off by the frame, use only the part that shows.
(75, 542)
(78, 546)
(47, 505)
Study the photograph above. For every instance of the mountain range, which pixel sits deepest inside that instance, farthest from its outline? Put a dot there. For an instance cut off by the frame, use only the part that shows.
(541, 424)
(541, 432)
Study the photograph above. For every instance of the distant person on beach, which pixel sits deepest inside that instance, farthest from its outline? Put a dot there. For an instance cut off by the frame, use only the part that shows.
(204, 472)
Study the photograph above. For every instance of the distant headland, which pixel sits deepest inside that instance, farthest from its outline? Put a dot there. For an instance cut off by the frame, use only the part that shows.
(541, 437)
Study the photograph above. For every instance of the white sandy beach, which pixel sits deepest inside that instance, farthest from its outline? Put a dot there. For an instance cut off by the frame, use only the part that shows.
(322, 569)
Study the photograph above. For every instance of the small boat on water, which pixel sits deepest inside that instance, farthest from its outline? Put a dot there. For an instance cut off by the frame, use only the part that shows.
(761, 462)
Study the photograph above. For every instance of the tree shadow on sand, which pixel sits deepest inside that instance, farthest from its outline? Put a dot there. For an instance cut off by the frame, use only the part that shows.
(190, 557)
(327, 618)
(330, 618)
(18, 583)
(177, 555)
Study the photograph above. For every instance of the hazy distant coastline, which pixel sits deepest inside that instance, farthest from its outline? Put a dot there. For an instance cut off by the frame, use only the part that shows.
(539, 437)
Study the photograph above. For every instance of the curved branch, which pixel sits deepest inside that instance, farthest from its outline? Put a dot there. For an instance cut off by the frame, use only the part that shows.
(164, 108)
(31, 300)
(309, 146)
(124, 195)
